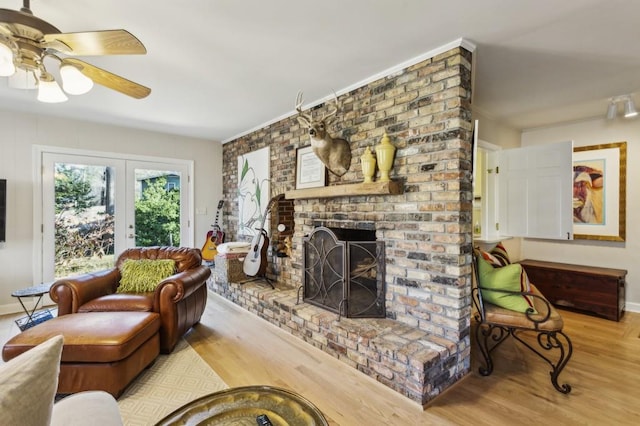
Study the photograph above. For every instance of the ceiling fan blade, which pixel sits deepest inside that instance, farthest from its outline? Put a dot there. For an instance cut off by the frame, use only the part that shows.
(107, 79)
(108, 42)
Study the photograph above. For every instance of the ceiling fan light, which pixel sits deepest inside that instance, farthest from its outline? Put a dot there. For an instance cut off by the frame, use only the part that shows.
(612, 110)
(49, 91)
(73, 81)
(7, 68)
(23, 79)
(629, 108)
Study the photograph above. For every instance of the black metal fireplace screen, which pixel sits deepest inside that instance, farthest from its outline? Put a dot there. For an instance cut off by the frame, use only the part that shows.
(345, 277)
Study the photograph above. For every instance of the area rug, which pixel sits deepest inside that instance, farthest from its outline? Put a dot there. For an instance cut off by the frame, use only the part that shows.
(171, 382)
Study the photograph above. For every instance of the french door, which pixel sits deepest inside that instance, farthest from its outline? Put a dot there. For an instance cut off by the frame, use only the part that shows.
(95, 207)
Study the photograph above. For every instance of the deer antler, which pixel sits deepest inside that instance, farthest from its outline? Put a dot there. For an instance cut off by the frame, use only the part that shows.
(299, 101)
(333, 110)
(301, 115)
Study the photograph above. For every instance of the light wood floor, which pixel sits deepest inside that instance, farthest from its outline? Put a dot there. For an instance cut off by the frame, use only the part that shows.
(604, 373)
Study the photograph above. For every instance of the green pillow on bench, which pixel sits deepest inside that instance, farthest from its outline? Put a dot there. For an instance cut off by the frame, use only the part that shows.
(144, 275)
(510, 277)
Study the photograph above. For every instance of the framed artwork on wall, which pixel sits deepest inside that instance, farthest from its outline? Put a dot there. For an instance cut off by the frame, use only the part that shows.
(253, 190)
(310, 171)
(599, 192)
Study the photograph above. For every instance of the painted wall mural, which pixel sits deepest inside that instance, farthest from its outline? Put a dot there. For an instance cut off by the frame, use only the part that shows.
(253, 190)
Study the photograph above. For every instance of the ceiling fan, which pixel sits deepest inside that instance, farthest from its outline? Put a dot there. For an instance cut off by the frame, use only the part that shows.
(25, 42)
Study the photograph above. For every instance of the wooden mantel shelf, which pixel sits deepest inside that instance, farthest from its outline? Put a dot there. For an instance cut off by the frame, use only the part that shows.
(373, 188)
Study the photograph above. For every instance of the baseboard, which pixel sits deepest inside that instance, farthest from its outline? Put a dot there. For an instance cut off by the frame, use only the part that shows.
(15, 308)
(632, 307)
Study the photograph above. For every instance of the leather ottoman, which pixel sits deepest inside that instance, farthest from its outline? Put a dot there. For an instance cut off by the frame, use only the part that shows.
(102, 350)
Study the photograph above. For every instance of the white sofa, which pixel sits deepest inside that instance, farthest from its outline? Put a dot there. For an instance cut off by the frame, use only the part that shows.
(28, 386)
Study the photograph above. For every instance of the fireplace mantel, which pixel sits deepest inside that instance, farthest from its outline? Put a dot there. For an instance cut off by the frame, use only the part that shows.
(373, 188)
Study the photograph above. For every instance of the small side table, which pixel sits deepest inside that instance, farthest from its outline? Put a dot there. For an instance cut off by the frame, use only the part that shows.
(32, 317)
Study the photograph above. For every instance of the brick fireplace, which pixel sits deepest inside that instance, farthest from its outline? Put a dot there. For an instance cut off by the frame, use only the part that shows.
(422, 346)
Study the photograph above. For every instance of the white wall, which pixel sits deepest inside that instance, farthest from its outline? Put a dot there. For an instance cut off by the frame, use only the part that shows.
(619, 255)
(21, 131)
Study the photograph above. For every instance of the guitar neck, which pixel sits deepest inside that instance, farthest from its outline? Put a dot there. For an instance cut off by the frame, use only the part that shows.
(220, 203)
(266, 211)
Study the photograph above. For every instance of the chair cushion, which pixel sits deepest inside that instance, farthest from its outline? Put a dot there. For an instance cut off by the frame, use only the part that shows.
(142, 302)
(496, 315)
(28, 384)
(510, 278)
(144, 275)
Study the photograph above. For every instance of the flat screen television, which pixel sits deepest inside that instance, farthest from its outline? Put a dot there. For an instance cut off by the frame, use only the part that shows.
(3, 209)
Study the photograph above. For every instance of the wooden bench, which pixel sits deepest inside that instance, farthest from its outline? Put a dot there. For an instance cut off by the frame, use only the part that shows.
(589, 289)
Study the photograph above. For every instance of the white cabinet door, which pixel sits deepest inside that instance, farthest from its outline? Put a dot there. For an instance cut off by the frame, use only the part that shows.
(535, 191)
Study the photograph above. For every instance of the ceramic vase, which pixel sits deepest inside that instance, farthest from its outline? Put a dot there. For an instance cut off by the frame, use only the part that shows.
(368, 162)
(384, 154)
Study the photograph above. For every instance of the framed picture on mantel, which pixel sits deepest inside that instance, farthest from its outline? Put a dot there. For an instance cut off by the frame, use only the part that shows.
(599, 192)
(310, 171)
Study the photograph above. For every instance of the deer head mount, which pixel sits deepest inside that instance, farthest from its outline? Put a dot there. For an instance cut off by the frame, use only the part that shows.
(333, 152)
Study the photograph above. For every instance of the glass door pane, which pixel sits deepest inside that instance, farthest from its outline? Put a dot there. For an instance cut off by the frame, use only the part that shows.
(80, 209)
(84, 218)
(157, 213)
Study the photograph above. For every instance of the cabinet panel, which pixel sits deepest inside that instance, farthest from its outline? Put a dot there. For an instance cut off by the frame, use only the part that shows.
(536, 191)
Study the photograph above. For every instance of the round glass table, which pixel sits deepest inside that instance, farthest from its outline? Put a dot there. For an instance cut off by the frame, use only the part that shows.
(243, 405)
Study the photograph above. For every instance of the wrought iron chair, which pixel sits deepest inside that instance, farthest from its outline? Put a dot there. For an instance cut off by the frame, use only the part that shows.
(496, 324)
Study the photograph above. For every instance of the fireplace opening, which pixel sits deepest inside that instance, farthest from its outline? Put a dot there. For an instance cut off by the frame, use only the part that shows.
(344, 272)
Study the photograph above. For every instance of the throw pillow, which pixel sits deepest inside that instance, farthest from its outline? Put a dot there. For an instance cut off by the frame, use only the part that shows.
(497, 257)
(500, 253)
(28, 384)
(511, 278)
(144, 275)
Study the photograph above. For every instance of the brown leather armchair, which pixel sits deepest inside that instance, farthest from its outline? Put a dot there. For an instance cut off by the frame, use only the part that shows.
(180, 299)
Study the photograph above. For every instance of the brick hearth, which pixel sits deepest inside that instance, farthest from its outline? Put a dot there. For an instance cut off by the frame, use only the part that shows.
(422, 347)
(400, 356)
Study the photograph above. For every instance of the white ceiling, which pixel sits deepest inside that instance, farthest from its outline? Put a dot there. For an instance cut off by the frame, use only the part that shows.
(218, 68)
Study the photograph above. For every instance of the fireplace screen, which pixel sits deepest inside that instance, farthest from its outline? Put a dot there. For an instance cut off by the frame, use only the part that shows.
(346, 277)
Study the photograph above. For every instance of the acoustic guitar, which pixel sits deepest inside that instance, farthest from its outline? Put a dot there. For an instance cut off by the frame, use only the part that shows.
(255, 262)
(215, 237)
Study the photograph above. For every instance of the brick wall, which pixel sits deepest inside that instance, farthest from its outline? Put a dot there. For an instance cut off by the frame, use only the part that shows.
(425, 109)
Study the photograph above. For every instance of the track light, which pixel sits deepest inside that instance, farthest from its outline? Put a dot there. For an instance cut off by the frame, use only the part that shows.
(629, 107)
(612, 111)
